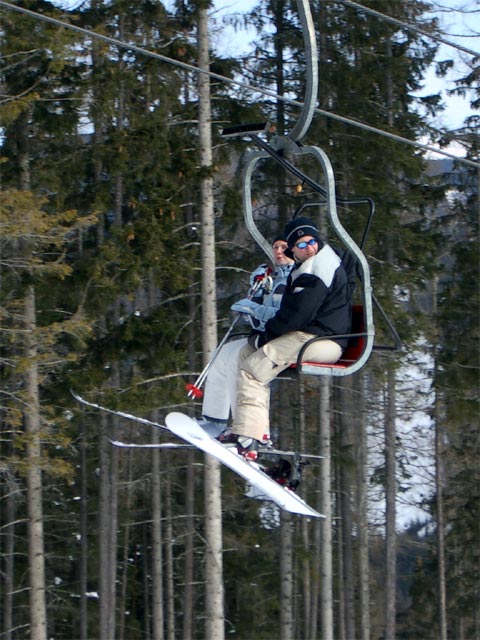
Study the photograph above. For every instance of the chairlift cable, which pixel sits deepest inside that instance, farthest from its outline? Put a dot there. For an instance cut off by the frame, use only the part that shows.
(410, 27)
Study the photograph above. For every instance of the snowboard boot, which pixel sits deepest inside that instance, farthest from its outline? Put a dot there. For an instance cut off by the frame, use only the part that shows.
(246, 447)
(212, 426)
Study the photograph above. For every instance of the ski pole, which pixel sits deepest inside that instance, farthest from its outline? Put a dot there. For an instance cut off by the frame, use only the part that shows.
(194, 390)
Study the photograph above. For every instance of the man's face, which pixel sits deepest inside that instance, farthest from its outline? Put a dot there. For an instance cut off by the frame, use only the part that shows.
(279, 256)
(305, 248)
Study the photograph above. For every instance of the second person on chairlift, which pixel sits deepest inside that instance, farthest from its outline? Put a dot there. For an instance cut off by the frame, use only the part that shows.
(316, 302)
(219, 398)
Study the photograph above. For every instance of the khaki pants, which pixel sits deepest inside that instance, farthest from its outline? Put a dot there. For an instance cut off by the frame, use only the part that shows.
(257, 368)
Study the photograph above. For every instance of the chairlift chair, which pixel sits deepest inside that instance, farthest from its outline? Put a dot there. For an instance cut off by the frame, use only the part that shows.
(361, 338)
(284, 148)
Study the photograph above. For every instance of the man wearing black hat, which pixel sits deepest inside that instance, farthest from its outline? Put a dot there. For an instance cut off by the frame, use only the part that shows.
(316, 302)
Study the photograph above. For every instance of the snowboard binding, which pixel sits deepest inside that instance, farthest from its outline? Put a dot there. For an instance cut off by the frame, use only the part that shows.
(287, 474)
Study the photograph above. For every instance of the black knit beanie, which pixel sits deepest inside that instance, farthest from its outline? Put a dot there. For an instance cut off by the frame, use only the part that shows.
(299, 227)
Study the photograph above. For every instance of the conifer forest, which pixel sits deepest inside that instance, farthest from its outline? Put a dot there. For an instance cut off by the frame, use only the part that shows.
(123, 246)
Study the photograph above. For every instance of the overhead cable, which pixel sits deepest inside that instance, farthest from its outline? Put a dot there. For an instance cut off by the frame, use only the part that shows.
(408, 26)
(239, 83)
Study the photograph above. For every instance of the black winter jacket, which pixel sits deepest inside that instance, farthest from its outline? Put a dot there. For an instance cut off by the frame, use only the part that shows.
(317, 299)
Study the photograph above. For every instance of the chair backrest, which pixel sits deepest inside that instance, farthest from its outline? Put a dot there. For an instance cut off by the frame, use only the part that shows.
(356, 343)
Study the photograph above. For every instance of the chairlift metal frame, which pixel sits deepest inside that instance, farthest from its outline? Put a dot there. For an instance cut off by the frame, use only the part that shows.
(281, 149)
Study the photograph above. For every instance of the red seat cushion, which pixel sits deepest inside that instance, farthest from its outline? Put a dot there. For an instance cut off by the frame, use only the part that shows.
(355, 345)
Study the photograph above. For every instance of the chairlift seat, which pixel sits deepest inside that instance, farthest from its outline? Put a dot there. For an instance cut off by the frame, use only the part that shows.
(353, 351)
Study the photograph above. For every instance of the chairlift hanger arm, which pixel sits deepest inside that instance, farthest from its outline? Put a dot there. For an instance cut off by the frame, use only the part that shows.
(311, 71)
(252, 132)
(345, 201)
(397, 346)
(328, 193)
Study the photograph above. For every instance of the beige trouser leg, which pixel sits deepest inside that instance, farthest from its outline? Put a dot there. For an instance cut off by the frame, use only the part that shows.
(258, 368)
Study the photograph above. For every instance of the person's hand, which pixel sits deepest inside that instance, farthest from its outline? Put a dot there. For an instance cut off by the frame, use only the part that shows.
(244, 306)
(260, 273)
(263, 313)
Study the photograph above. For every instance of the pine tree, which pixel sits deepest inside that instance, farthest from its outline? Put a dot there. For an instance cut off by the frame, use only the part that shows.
(36, 344)
(456, 379)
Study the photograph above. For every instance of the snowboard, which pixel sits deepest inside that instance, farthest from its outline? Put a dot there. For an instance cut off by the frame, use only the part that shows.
(188, 429)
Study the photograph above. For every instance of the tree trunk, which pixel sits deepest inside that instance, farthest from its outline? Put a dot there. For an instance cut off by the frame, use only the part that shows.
(278, 43)
(8, 576)
(439, 479)
(439, 484)
(169, 570)
(390, 492)
(188, 594)
(83, 532)
(213, 500)
(97, 117)
(346, 439)
(286, 576)
(187, 631)
(340, 591)
(147, 582)
(305, 577)
(120, 117)
(362, 516)
(390, 436)
(107, 532)
(122, 606)
(325, 507)
(36, 551)
(157, 540)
